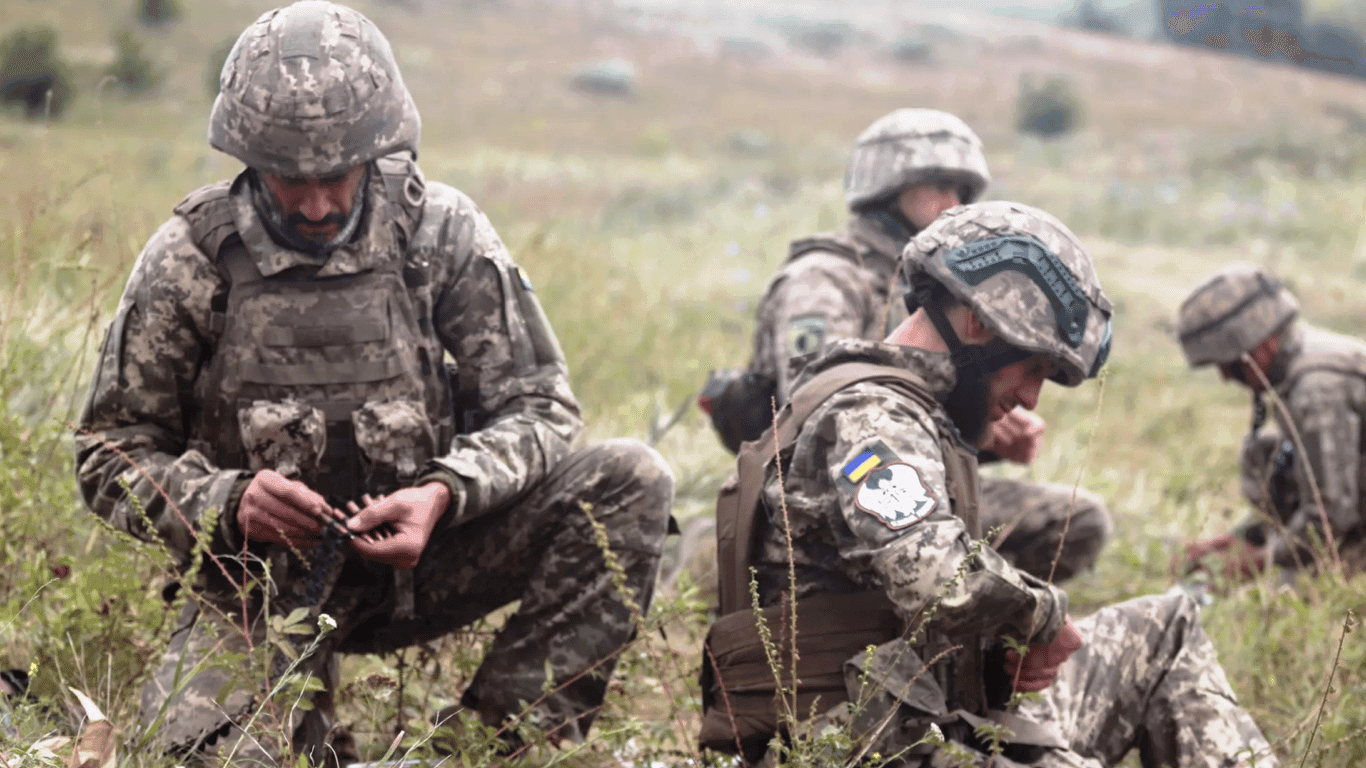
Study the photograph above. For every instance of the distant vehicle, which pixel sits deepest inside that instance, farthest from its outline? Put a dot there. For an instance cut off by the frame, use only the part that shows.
(1262, 28)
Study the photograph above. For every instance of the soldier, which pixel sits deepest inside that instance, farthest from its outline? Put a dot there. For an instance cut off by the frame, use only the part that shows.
(868, 533)
(906, 169)
(1305, 467)
(277, 357)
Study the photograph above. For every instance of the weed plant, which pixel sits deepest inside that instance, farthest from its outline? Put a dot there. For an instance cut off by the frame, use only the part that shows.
(648, 242)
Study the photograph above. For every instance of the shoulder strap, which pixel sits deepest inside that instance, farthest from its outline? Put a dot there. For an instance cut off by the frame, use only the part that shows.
(208, 211)
(834, 242)
(738, 502)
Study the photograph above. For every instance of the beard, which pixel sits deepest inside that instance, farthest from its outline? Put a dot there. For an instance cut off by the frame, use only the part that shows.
(968, 406)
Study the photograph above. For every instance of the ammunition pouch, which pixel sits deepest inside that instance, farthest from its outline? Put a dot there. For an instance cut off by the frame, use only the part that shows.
(740, 688)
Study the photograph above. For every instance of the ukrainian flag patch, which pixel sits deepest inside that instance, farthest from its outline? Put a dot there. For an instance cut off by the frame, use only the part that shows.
(858, 468)
(525, 278)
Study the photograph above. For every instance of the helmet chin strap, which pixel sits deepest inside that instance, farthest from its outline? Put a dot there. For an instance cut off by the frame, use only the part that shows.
(975, 360)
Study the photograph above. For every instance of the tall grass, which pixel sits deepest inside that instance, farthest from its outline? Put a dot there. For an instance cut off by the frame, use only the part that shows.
(649, 240)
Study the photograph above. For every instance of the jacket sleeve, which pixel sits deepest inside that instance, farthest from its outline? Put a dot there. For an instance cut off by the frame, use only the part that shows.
(134, 427)
(1326, 409)
(510, 367)
(814, 300)
(904, 526)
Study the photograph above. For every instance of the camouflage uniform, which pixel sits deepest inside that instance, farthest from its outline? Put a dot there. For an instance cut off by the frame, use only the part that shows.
(1146, 675)
(846, 285)
(1320, 378)
(231, 352)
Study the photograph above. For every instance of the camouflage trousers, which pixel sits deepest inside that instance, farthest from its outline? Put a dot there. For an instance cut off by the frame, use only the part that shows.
(572, 622)
(1145, 678)
(1035, 518)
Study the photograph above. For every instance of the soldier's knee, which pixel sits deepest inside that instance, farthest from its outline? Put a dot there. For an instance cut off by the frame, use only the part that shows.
(640, 480)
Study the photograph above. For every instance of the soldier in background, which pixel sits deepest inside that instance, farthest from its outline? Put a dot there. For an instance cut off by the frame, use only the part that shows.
(280, 354)
(870, 527)
(1243, 320)
(906, 169)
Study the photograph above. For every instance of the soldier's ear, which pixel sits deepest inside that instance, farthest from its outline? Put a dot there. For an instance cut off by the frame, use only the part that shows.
(974, 330)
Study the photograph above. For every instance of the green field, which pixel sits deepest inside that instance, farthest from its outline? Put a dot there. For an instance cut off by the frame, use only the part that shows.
(650, 225)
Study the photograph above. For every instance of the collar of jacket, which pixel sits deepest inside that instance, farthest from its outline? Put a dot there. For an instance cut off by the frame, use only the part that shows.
(374, 243)
(875, 240)
(934, 368)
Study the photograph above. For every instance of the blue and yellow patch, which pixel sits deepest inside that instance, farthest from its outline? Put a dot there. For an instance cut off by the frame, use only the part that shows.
(525, 278)
(858, 468)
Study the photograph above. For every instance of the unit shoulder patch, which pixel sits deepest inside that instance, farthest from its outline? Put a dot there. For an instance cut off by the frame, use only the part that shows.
(805, 334)
(895, 494)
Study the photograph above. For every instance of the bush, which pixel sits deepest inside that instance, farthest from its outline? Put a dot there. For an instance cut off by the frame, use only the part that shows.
(157, 12)
(131, 70)
(32, 75)
(1050, 111)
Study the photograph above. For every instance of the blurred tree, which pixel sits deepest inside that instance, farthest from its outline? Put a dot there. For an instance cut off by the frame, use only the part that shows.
(157, 12)
(1049, 111)
(131, 70)
(32, 74)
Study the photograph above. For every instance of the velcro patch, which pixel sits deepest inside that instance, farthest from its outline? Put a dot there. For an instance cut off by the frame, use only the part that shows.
(525, 278)
(896, 495)
(805, 334)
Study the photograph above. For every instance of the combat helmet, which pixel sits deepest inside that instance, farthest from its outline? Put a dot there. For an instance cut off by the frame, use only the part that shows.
(1025, 275)
(1231, 312)
(910, 146)
(312, 89)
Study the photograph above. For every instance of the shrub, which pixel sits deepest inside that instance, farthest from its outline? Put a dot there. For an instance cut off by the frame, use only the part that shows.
(32, 75)
(157, 12)
(1052, 110)
(131, 70)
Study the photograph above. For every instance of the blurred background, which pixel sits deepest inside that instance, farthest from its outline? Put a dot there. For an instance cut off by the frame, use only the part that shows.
(647, 162)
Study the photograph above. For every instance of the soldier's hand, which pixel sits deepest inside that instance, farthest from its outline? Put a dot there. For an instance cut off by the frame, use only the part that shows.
(1042, 662)
(281, 511)
(1016, 436)
(1239, 558)
(412, 514)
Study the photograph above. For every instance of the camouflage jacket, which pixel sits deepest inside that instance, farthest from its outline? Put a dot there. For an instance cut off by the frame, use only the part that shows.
(142, 423)
(1321, 378)
(833, 286)
(904, 539)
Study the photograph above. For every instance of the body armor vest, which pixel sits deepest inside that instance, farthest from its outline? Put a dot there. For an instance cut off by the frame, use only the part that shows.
(339, 344)
(738, 686)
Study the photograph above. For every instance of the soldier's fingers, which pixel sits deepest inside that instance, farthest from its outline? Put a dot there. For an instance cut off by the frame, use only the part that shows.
(290, 492)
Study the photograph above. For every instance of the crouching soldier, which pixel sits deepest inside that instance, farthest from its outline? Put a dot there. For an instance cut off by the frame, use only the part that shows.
(327, 332)
(1303, 467)
(866, 527)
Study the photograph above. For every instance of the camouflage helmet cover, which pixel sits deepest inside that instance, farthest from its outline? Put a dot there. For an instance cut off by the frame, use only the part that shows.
(910, 146)
(1231, 312)
(312, 89)
(997, 257)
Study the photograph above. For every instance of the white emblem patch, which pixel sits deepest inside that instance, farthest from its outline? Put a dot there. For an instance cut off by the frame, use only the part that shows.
(896, 495)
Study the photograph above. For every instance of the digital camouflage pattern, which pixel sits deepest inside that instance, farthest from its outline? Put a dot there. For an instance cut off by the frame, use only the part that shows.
(288, 437)
(512, 524)
(1231, 312)
(838, 286)
(910, 146)
(312, 89)
(1049, 530)
(1008, 302)
(1147, 676)
(1320, 376)
(571, 624)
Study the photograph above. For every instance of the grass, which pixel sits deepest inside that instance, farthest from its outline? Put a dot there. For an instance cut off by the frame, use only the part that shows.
(649, 240)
